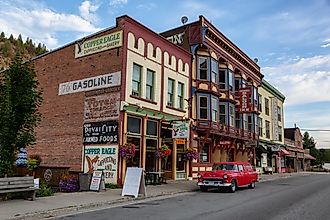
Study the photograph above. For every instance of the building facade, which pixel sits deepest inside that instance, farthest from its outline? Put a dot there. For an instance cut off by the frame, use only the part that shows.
(122, 85)
(298, 158)
(224, 95)
(270, 150)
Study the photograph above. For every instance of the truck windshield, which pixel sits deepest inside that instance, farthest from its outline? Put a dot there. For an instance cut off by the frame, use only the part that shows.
(224, 167)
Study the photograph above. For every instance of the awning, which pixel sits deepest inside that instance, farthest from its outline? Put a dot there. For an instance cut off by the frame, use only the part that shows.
(261, 149)
(309, 157)
(284, 152)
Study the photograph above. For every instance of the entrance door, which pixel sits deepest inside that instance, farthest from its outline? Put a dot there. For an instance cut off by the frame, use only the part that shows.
(180, 162)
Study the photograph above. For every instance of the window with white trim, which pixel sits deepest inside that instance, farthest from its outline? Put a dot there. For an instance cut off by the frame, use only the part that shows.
(150, 85)
(214, 71)
(170, 92)
(215, 109)
(136, 80)
(180, 95)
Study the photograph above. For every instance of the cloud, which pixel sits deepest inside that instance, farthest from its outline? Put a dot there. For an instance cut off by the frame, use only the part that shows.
(117, 3)
(303, 81)
(147, 7)
(40, 23)
(87, 11)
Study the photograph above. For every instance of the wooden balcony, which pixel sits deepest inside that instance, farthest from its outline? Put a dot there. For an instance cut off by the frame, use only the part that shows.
(225, 130)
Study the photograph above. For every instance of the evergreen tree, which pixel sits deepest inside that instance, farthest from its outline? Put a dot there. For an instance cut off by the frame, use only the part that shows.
(2, 35)
(309, 143)
(19, 102)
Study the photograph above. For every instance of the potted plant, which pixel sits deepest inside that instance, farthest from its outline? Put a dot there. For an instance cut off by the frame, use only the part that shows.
(33, 163)
(127, 150)
(190, 154)
(162, 153)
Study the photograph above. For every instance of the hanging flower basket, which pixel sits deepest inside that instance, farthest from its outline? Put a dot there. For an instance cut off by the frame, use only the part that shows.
(190, 154)
(127, 151)
(163, 152)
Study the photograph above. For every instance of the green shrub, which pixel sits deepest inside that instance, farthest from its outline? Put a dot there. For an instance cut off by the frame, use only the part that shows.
(112, 186)
(44, 189)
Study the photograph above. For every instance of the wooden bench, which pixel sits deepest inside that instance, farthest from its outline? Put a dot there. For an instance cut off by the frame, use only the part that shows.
(19, 184)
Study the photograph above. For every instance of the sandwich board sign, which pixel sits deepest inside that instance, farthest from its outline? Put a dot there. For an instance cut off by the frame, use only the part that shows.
(134, 182)
(96, 182)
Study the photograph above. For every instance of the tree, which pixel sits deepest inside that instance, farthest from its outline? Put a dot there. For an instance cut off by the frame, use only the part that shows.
(20, 98)
(309, 143)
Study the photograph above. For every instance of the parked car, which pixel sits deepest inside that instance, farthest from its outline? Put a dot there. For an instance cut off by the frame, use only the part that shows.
(229, 175)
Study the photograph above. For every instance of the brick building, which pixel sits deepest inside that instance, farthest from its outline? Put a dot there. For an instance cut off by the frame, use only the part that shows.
(124, 84)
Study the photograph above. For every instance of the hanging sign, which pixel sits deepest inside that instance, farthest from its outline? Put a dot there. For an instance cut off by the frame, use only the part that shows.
(105, 132)
(245, 99)
(134, 182)
(98, 44)
(180, 130)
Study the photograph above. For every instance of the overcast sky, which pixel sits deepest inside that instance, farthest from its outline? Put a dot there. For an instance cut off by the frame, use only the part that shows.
(291, 39)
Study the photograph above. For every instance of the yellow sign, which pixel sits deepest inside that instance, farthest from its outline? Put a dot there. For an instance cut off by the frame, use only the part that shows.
(180, 141)
(99, 44)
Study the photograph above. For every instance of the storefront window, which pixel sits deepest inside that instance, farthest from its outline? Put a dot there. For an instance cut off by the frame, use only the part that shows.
(134, 125)
(204, 155)
(152, 128)
(135, 161)
(150, 154)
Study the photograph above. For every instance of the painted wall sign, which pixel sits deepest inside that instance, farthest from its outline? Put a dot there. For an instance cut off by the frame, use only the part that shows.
(274, 118)
(92, 83)
(102, 107)
(101, 132)
(180, 130)
(99, 44)
(102, 158)
(176, 39)
(245, 99)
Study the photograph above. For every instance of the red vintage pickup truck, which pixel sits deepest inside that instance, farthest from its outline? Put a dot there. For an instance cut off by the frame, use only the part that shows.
(229, 175)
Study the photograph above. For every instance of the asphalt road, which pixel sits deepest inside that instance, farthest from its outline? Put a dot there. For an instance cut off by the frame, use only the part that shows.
(301, 197)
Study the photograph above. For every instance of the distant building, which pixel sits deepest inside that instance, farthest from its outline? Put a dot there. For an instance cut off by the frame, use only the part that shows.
(270, 151)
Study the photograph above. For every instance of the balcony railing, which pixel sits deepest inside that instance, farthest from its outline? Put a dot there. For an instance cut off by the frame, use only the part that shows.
(223, 129)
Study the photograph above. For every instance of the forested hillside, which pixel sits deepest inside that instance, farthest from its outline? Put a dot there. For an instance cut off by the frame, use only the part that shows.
(10, 46)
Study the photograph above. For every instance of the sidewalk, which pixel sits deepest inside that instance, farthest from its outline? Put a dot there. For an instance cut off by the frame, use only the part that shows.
(62, 203)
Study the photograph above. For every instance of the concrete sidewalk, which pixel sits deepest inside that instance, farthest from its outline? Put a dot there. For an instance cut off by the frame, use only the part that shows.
(62, 203)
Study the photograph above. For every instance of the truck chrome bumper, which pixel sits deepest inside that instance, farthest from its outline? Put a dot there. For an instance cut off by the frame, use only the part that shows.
(213, 183)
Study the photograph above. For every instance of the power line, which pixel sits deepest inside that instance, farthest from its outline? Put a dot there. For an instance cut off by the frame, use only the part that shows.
(306, 129)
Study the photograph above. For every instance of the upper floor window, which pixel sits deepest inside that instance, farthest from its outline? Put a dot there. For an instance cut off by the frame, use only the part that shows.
(231, 80)
(266, 106)
(150, 85)
(267, 129)
(231, 115)
(152, 128)
(237, 84)
(222, 78)
(203, 107)
(260, 126)
(279, 113)
(136, 80)
(279, 133)
(250, 123)
(170, 92)
(214, 109)
(214, 71)
(203, 68)
(255, 96)
(180, 95)
(245, 121)
(260, 103)
(238, 120)
(222, 113)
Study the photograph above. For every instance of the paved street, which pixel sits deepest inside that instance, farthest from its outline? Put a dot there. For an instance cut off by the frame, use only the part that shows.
(300, 197)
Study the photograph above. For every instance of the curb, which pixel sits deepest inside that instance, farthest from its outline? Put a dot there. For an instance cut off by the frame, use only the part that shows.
(51, 213)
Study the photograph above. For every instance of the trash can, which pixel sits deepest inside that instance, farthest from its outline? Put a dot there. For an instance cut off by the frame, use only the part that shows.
(84, 181)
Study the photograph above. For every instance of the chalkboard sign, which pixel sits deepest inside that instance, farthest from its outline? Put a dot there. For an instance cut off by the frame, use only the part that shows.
(105, 132)
(96, 181)
(134, 182)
